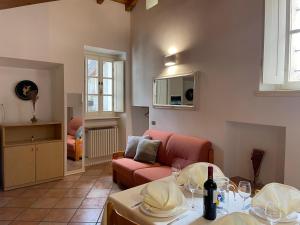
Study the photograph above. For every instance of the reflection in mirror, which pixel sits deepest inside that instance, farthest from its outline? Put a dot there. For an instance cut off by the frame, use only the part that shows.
(175, 91)
(75, 132)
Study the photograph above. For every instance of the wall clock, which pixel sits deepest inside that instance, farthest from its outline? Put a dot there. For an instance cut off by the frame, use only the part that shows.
(24, 87)
(189, 94)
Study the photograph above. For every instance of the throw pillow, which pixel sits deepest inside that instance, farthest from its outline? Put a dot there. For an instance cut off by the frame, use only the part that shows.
(78, 134)
(132, 144)
(147, 151)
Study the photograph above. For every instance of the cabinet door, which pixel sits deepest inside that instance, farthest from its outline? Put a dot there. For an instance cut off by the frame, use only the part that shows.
(49, 160)
(19, 165)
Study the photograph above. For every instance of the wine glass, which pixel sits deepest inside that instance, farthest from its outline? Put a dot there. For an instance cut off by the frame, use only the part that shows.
(175, 171)
(273, 213)
(244, 190)
(192, 186)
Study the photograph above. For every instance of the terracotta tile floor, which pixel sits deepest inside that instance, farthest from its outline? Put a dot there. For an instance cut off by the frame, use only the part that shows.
(77, 200)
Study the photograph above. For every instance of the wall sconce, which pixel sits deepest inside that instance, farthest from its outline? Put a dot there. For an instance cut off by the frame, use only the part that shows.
(171, 60)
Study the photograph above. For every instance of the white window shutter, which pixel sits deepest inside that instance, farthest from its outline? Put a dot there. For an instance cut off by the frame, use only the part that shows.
(119, 86)
(274, 42)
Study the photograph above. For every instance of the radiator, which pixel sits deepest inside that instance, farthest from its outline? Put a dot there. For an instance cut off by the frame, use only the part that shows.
(102, 142)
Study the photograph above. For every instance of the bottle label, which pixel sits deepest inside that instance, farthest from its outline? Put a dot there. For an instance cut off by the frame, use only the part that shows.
(214, 195)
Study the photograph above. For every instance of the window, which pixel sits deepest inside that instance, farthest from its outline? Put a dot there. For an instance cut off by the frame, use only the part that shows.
(104, 85)
(281, 66)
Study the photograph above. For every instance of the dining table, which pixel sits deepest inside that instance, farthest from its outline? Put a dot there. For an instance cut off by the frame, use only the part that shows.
(128, 203)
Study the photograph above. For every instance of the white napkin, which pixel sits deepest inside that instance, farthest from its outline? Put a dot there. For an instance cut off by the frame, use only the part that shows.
(162, 195)
(198, 172)
(285, 197)
(237, 218)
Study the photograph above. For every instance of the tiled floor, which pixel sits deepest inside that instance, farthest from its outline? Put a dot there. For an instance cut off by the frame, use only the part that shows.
(77, 199)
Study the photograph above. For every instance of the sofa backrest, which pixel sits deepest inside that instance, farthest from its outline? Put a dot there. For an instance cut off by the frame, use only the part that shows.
(185, 150)
(179, 149)
(163, 136)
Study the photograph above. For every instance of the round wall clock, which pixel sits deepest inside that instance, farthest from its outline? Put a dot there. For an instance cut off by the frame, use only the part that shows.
(189, 94)
(24, 87)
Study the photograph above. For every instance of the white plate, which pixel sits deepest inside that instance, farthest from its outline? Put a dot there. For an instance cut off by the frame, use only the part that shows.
(259, 212)
(154, 212)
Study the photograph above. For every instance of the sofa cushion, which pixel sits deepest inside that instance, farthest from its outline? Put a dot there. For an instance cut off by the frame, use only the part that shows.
(132, 143)
(185, 150)
(147, 151)
(125, 167)
(145, 175)
(163, 136)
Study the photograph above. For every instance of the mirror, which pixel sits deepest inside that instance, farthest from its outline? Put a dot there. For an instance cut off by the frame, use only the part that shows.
(175, 92)
(75, 132)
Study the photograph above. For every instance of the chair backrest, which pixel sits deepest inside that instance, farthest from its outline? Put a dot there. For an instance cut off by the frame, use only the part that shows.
(74, 124)
(115, 218)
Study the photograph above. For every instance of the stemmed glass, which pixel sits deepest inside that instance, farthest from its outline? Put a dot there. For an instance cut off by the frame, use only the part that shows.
(175, 171)
(244, 190)
(192, 186)
(273, 213)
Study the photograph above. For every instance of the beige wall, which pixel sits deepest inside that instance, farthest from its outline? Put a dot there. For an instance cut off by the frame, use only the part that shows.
(223, 40)
(57, 32)
(18, 110)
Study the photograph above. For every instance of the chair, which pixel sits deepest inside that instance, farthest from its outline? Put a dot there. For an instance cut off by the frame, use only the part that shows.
(115, 218)
(74, 144)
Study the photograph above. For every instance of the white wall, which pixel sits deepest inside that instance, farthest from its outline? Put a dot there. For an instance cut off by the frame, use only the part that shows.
(242, 138)
(57, 32)
(18, 110)
(224, 41)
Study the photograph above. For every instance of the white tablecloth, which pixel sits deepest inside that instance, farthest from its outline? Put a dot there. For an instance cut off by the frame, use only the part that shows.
(125, 200)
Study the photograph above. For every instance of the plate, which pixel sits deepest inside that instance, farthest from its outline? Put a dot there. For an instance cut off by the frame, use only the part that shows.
(155, 212)
(23, 89)
(259, 212)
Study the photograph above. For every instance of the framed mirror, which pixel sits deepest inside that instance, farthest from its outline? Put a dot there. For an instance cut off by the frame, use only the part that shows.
(75, 133)
(177, 91)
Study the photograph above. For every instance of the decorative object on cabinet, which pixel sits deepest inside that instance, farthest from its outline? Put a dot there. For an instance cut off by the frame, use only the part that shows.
(177, 91)
(31, 154)
(23, 89)
(33, 95)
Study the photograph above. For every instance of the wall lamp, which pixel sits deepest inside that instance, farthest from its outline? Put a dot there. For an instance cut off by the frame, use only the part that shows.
(171, 60)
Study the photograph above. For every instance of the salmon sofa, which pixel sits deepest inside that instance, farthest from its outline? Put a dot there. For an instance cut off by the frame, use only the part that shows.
(174, 149)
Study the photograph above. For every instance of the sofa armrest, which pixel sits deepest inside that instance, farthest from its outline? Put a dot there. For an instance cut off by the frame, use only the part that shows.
(211, 156)
(117, 155)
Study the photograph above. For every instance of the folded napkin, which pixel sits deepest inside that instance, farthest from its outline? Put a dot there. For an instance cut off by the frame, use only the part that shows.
(237, 218)
(198, 172)
(162, 195)
(285, 197)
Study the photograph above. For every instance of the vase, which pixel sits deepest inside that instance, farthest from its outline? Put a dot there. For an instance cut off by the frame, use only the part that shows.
(33, 119)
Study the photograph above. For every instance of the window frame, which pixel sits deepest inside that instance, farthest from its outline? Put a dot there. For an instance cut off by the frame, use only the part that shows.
(280, 24)
(100, 59)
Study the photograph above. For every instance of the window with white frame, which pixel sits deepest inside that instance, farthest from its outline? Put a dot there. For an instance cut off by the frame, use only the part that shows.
(281, 62)
(104, 85)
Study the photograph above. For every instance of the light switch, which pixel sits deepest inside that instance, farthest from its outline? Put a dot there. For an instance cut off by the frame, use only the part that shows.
(153, 123)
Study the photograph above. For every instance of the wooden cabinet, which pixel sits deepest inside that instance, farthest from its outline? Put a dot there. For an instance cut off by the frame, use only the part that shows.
(19, 165)
(31, 154)
(49, 161)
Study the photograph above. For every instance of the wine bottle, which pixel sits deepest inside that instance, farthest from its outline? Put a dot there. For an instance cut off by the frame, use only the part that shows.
(210, 197)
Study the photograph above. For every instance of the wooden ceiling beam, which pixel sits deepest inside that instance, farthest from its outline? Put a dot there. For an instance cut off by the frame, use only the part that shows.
(6, 4)
(129, 4)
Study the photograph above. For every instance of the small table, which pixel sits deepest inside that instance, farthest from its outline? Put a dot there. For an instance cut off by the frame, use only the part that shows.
(125, 203)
